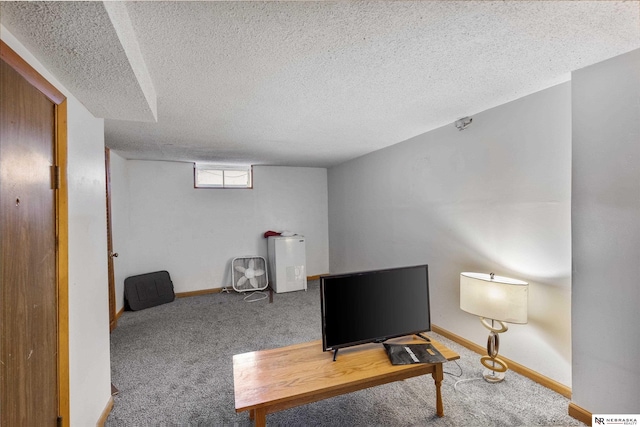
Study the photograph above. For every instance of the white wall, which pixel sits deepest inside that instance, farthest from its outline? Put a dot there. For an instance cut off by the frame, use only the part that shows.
(492, 198)
(89, 364)
(194, 233)
(606, 236)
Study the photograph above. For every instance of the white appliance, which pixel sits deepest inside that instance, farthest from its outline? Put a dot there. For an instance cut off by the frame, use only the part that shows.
(287, 263)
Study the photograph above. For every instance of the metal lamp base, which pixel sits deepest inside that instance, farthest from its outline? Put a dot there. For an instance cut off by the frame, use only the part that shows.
(493, 376)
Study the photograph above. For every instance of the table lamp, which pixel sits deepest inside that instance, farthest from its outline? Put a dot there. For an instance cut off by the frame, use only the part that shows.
(498, 299)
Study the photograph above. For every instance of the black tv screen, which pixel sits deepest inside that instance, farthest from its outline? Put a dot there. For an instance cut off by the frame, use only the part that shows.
(373, 306)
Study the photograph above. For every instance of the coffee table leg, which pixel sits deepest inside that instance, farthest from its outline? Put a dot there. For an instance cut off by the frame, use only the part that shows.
(438, 375)
(260, 415)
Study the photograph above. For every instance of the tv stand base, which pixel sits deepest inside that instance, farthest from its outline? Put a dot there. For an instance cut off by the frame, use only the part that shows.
(424, 337)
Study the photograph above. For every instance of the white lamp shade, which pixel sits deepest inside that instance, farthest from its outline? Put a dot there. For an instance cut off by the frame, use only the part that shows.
(498, 298)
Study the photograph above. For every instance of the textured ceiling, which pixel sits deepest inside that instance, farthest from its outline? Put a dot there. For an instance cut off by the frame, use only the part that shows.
(307, 83)
(78, 43)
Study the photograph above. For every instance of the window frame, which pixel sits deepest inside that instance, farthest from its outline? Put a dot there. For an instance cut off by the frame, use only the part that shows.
(211, 167)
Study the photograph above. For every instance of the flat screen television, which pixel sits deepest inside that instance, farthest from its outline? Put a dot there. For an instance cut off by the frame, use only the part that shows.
(373, 306)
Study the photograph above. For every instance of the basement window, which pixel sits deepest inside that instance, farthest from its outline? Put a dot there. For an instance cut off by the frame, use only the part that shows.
(214, 176)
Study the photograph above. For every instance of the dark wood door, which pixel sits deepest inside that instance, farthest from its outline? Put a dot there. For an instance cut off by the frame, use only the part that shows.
(28, 345)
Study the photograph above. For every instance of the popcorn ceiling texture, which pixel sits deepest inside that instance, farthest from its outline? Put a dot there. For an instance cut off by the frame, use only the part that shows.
(126, 33)
(307, 83)
(78, 44)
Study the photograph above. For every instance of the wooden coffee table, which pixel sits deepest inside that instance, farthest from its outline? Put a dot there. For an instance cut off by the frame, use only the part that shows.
(269, 381)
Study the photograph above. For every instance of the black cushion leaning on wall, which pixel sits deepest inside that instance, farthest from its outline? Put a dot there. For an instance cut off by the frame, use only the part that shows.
(148, 290)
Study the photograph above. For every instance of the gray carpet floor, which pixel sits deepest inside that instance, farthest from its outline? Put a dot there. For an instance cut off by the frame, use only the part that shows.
(172, 365)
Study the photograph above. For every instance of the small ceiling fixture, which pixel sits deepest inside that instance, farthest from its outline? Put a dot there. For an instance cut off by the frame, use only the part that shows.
(463, 123)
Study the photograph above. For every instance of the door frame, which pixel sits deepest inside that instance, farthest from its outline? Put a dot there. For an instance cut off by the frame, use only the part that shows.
(59, 100)
(113, 318)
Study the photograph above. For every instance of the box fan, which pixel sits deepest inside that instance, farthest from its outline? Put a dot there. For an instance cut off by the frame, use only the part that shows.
(249, 274)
